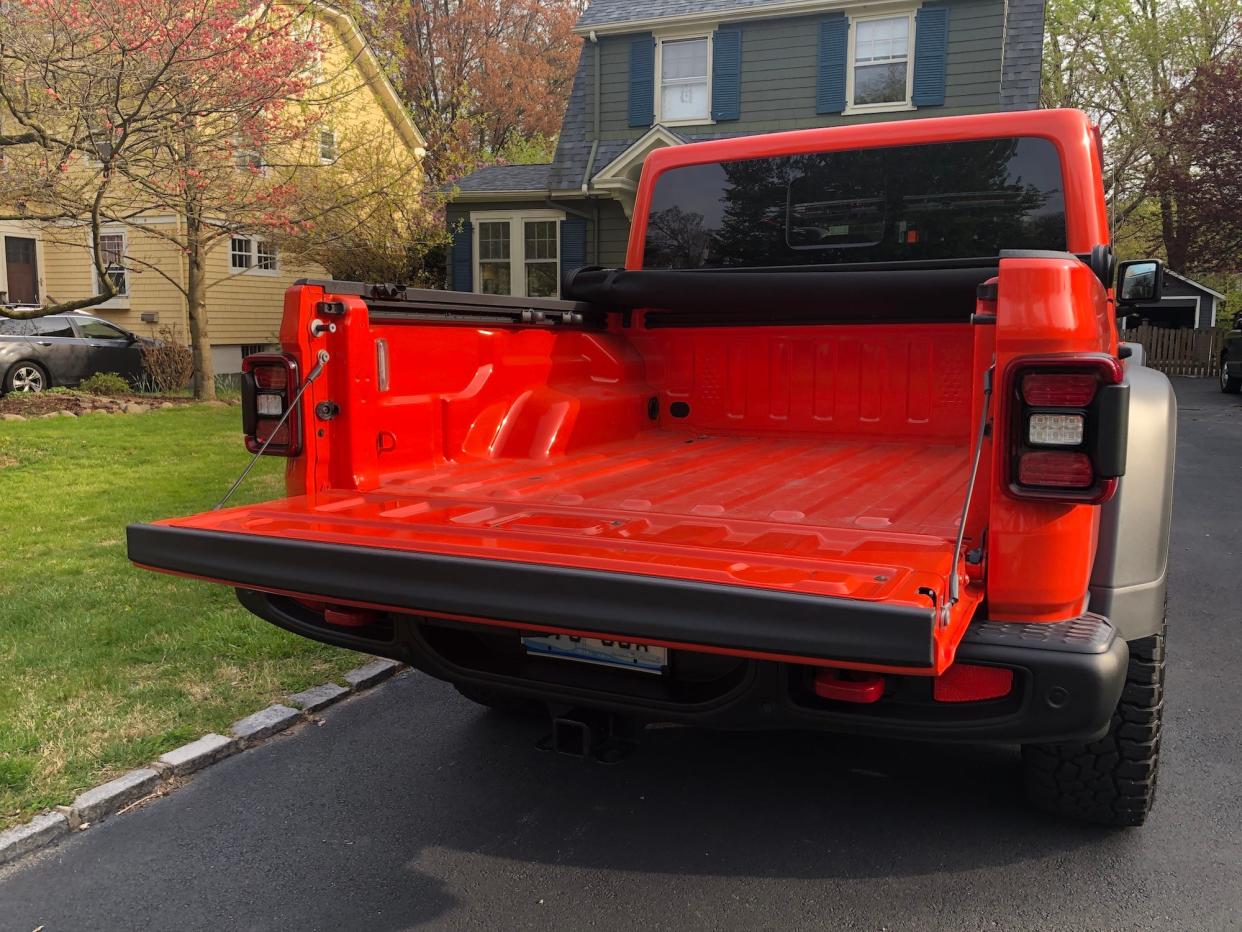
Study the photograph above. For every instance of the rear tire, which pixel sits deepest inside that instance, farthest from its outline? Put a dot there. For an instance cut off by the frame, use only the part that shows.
(26, 377)
(497, 699)
(1230, 385)
(1111, 781)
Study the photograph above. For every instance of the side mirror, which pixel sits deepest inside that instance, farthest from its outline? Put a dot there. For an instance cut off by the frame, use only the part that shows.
(1140, 280)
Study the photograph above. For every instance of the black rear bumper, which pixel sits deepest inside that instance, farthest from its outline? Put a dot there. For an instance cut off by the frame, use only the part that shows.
(1068, 677)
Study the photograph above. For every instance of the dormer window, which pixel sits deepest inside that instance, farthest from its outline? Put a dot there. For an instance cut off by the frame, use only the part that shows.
(684, 94)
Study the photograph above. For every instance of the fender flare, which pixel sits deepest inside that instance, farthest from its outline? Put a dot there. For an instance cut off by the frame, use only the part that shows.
(1130, 575)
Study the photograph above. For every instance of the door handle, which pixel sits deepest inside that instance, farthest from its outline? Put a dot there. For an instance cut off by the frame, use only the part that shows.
(44, 342)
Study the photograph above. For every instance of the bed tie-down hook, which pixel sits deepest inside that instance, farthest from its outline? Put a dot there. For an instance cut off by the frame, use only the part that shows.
(322, 358)
(981, 435)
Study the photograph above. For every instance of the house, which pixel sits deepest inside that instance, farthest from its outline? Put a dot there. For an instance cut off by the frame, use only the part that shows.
(247, 276)
(1185, 304)
(656, 73)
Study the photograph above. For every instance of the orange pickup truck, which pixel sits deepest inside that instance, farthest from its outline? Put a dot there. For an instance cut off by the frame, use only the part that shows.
(849, 445)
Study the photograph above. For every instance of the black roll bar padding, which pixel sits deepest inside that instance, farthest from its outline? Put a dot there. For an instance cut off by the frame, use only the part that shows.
(922, 293)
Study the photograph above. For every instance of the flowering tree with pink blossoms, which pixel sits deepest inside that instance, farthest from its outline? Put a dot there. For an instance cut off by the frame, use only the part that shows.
(203, 110)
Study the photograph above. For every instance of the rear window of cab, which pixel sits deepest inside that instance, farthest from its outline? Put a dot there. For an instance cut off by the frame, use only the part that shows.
(956, 200)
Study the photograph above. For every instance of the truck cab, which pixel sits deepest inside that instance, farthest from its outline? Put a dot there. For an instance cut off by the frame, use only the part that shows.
(849, 444)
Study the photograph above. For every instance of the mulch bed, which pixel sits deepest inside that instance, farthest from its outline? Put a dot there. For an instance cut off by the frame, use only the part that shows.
(37, 404)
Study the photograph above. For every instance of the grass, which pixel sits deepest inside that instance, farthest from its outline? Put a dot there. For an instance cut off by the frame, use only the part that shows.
(102, 666)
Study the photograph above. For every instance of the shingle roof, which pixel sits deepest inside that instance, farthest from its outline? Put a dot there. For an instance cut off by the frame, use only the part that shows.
(506, 178)
(608, 12)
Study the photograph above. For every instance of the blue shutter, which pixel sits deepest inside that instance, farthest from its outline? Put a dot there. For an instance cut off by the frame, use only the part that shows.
(462, 261)
(642, 81)
(573, 245)
(931, 40)
(834, 35)
(727, 74)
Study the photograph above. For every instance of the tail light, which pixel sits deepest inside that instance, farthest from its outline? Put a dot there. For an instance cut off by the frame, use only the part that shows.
(1068, 427)
(269, 385)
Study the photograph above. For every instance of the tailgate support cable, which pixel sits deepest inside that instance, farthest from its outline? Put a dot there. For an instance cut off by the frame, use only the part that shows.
(954, 584)
(310, 377)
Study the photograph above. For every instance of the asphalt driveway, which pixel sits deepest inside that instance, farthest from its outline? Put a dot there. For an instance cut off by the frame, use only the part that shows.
(410, 807)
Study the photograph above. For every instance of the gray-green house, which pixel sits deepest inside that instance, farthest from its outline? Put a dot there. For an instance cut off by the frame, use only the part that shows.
(665, 72)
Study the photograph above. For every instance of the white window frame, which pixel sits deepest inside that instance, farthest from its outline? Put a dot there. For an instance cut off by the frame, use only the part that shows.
(517, 245)
(708, 36)
(121, 298)
(253, 254)
(888, 107)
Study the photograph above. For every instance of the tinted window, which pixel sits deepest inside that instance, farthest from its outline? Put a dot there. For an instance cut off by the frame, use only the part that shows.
(98, 330)
(16, 328)
(53, 327)
(959, 200)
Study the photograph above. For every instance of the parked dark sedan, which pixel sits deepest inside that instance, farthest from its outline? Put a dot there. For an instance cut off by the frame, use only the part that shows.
(63, 349)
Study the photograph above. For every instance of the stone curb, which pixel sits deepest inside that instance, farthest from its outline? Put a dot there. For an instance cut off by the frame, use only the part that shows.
(39, 831)
(371, 674)
(198, 754)
(275, 718)
(319, 697)
(115, 796)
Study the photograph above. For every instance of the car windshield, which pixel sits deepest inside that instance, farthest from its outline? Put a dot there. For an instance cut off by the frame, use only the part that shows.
(957, 200)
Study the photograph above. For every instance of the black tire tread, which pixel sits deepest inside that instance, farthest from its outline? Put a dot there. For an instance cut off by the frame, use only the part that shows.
(1111, 781)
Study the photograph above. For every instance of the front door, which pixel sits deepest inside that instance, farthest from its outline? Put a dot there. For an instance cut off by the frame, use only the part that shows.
(22, 269)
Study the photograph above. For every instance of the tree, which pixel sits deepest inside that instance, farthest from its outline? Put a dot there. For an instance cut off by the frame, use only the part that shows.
(481, 77)
(210, 111)
(1127, 63)
(1202, 177)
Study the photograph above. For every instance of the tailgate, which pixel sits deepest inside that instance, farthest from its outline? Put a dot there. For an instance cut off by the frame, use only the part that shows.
(848, 596)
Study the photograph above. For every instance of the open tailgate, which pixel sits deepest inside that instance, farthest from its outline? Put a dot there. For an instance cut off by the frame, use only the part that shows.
(853, 597)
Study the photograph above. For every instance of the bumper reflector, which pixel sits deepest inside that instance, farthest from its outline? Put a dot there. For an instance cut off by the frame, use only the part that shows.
(965, 682)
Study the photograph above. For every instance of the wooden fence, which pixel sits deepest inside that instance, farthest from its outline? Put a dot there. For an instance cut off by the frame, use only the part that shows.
(1194, 353)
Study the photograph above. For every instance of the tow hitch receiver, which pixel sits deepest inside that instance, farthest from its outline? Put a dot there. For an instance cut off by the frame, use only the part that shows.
(588, 734)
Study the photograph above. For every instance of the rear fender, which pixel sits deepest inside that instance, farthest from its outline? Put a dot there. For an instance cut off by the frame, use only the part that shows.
(1129, 577)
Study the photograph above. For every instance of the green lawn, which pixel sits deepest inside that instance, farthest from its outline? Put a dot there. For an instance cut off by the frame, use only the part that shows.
(102, 666)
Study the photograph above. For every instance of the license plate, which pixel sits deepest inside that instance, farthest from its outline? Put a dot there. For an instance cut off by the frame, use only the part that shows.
(625, 654)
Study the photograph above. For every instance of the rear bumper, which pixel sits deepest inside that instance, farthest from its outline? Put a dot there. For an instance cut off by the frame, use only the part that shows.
(1068, 679)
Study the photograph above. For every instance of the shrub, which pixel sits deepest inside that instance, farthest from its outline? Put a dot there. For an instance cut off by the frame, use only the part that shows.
(167, 361)
(105, 383)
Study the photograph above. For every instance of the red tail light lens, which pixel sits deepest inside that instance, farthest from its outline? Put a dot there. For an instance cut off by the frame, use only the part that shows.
(271, 378)
(269, 384)
(1056, 470)
(1059, 390)
(1067, 423)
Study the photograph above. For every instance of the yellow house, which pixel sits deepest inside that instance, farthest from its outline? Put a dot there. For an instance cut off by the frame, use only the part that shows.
(246, 277)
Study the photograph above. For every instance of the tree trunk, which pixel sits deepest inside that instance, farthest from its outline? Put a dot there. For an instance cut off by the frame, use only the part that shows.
(196, 302)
